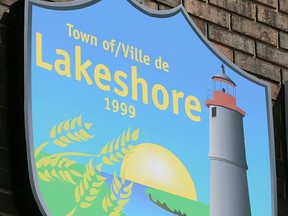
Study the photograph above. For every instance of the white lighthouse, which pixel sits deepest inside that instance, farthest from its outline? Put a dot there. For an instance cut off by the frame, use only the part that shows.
(229, 195)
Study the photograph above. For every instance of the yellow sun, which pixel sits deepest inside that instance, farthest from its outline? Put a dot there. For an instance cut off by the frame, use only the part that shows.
(156, 167)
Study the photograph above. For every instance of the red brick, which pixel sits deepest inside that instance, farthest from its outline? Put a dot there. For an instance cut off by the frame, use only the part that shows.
(230, 39)
(207, 12)
(224, 50)
(283, 5)
(200, 24)
(258, 66)
(272, 54)
(254, 29)
(284, 75)
(273, 18)
(283, 43)
(244, 8)
(275, 89)
(8, 2)
(3, 9)
(149, 4)
(172, 3)
(271, 3)
(164, 7)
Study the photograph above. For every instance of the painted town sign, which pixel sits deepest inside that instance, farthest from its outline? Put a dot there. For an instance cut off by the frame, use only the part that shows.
(131, 111)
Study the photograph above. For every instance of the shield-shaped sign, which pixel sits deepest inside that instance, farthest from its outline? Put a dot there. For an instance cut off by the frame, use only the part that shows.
(131, 111)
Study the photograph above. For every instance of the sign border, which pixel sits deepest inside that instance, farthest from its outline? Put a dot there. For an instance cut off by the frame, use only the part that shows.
(72, 5)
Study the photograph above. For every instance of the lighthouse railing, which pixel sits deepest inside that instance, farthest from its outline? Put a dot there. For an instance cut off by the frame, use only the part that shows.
(209, 94)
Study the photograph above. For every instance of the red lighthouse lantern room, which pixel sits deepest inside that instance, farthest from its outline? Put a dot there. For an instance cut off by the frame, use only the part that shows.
(224, 92)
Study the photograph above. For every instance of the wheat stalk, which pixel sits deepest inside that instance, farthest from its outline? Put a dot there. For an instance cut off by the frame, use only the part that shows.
(40, 148)
(88, 184)
(69, 154)
(70, 131)
(119, 194)
(88, 188)
(117, 150)
(66, 133)
(52, 168)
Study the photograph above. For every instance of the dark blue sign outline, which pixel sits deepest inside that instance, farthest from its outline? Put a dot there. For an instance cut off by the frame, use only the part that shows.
(153, 13)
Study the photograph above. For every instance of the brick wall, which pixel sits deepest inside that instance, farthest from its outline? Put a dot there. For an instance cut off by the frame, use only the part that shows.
(252, 34)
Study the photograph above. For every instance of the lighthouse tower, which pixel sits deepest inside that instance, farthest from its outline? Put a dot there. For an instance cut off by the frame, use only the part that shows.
(229, 194)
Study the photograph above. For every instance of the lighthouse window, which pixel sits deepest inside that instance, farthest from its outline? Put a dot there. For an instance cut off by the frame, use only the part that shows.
(214, 112)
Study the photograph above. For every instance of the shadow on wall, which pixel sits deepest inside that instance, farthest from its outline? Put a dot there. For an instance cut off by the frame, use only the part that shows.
(17, 146)
(281, 151)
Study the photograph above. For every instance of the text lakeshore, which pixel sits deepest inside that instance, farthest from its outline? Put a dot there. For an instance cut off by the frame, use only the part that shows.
(100, 75)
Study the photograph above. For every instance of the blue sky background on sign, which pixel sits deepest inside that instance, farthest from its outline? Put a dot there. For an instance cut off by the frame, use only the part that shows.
(191, 66)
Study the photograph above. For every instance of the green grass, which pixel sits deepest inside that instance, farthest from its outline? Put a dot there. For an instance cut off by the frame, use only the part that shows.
(60, 199)
(59, 196)
(176, 204)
